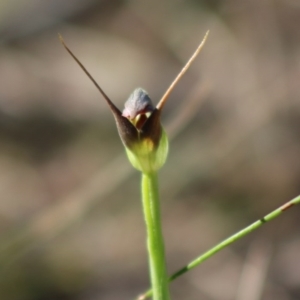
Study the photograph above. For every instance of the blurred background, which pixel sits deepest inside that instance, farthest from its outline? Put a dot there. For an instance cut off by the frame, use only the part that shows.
(71, 224)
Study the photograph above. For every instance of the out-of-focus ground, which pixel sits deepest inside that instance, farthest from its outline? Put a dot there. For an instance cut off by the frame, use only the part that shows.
(70, 214)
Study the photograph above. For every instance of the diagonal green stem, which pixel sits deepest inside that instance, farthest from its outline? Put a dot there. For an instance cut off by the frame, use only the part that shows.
(155, 243)
(229, 241)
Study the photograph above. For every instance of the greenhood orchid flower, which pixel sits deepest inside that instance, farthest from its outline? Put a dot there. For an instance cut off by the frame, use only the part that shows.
(139, 125)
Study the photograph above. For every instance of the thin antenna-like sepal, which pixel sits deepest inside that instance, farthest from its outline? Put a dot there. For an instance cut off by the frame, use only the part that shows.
(127, 131)
(113, 108)
(165, 97)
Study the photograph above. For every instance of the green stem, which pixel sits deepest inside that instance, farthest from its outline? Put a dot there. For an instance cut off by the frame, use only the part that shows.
(229, 241)
(155, 243)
